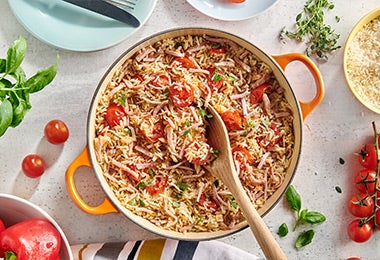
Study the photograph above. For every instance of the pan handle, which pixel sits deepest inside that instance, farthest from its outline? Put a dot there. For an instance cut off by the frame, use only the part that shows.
(84, 160)
(306, 107)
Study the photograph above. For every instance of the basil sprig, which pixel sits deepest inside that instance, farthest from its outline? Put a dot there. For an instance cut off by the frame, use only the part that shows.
(15, 87)
(303, 216)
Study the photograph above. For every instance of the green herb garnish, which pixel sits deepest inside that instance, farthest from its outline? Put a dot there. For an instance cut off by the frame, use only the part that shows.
(15, 87)
(321, 39)
(304, 238)
(283, 230)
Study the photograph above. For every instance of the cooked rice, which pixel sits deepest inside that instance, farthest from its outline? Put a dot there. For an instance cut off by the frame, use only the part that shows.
(192, 199)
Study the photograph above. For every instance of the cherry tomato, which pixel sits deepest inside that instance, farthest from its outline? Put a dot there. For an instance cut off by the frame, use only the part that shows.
(33, 166)
(114, 114)
(367, 156)
(237, 1)
(218, 49)
(243, 156)
(202, 149)
(365, 181)
(185, 62)
(377, 219)
(353, 258)
(256, 95)
(158, 186)
(359, 232)
(56, 131)
(232, 120)
(208, 203)
(2, 226)
(152, 130)
(214, 81)
(361, 205)
(161, 80)
(182, 95)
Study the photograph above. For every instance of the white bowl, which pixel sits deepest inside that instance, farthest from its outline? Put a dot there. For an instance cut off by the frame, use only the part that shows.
(15, 209)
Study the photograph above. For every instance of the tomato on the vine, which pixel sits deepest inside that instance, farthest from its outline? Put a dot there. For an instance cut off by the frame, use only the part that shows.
(377, 219)
(361, 205)
(358, 231)
(365, 181)
(56, 131)
(367, 156)
(33, 165)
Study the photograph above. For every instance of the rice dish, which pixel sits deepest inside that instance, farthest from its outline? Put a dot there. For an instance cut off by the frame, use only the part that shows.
(151, 122)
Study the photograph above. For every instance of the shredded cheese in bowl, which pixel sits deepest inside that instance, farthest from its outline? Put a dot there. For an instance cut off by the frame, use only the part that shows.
(362, 64)
(151, 121)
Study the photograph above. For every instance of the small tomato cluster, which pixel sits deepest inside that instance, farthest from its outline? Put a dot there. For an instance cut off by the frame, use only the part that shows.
(56, 132)
(364, 204)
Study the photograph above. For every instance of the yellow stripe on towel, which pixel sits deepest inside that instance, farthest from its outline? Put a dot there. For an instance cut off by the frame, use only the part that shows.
(151, 249)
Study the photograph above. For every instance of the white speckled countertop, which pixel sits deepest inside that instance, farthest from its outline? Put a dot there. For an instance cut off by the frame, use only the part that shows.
(335, 129)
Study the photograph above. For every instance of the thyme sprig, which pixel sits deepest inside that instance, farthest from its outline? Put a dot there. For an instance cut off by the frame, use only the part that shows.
(320, 38)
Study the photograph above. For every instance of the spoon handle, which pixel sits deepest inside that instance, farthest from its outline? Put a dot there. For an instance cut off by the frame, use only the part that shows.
(264, 237)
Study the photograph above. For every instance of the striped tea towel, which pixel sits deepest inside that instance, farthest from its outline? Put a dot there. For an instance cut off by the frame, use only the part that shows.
(160, 249)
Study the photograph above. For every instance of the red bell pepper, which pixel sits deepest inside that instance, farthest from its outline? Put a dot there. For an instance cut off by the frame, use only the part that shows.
(31, 239)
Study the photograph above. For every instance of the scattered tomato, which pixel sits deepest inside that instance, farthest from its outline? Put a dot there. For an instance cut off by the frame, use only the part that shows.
(182, 95)
(158, 186)
(208, 203)
(358, 231)
(161, 81)
(214, 80)
(185, 62)
(237, 1)
(56, 131)
(232, 120)
(33, 166)
(114, 114)
(243, 156)
(361, 205)
(152, 130)
(365, 181)
(256, 95)
(367, 156)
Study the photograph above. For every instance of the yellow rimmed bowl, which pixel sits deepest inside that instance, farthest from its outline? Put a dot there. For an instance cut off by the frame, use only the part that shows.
(368, 93)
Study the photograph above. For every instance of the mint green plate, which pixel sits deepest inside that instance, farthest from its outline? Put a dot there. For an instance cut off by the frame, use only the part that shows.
(73, 28)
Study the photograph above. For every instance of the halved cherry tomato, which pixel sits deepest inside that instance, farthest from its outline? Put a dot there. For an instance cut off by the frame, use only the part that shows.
(367, 156)
(185, 62)
(152, 130)
(361, 205)
(133, 173)
(232, 120)
(365, 181)
(218, 49)
(114, 114)
(56, 131)
(243, 156)
(161, 81)
(181, 94)
(158, 186)
(33, 165)
(208, 203)
(215, 82)
(358, 231)
(202, 148)
(257, 93)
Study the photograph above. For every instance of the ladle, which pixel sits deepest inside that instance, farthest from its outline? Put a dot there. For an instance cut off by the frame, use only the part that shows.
(224, 169)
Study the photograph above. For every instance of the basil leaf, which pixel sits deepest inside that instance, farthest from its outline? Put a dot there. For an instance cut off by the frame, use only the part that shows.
(2, 65)
(293, 198)
(19, 112)
(15, 55)
(19, 75)
(6, 115)
(304, 238)
(42, 78)
(283, 230)
(314, 217)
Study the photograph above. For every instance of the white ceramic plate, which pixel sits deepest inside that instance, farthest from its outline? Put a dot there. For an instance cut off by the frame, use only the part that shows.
(225, 10)
(73, 28)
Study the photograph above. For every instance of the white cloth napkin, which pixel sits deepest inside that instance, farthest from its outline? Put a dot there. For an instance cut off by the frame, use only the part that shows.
(160, 249)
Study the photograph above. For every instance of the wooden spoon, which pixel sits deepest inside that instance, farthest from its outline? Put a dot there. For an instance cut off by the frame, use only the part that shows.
(224, 169)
